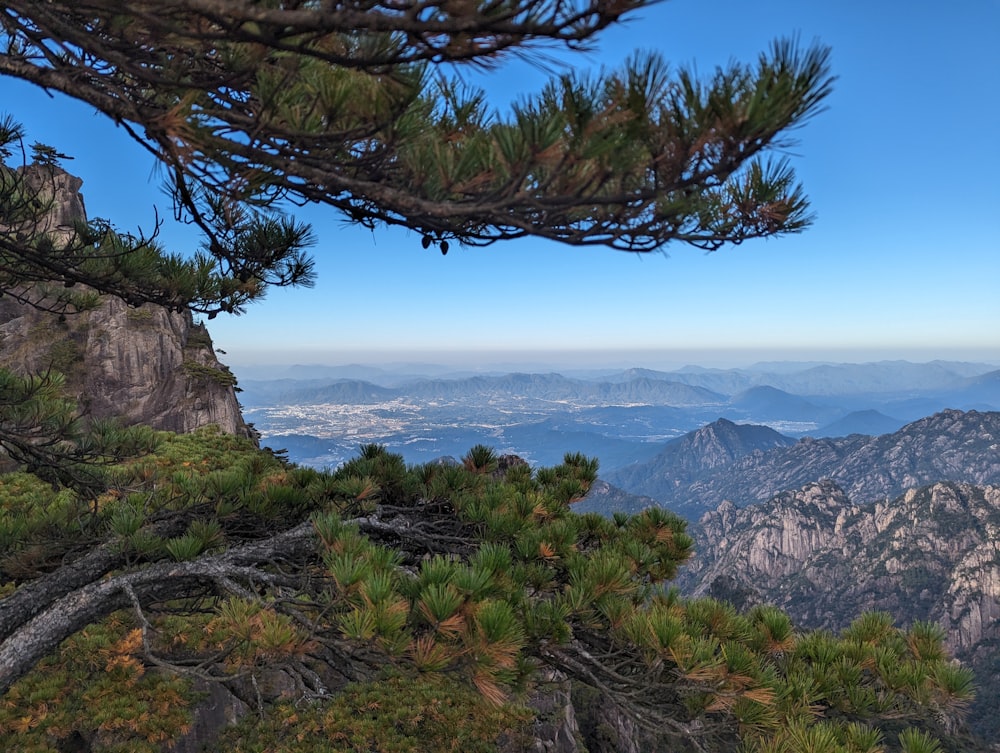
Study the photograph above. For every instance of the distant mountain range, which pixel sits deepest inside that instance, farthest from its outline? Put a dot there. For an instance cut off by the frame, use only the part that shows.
(745, 464)
(974, 380)
(322, 414)
(839, 379)
(549, 387)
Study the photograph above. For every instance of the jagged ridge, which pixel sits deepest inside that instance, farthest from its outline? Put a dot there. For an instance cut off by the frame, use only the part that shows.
(695, 473)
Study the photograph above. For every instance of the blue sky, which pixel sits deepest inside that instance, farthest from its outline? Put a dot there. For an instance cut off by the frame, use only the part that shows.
(902, 262)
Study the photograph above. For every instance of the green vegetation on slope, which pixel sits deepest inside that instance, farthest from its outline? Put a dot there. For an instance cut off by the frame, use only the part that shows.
(381, 604)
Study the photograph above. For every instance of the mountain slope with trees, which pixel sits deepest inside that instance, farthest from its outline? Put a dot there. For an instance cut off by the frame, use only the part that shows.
(152, 365)
(380, 578)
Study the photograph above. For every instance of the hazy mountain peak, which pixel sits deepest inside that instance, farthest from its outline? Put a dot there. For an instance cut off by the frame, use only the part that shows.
(722, 460)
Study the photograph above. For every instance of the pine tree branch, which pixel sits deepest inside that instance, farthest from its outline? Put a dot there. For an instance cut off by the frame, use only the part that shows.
(340, 105)
(27, 643)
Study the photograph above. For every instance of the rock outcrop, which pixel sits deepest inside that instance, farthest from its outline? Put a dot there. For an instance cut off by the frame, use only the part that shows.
(143, 365)
(61, 193)
(931, 554)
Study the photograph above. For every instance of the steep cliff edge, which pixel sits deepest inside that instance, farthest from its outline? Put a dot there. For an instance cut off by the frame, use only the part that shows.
(142, 365)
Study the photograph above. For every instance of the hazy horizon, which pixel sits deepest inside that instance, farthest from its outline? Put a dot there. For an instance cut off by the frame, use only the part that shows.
(591, 360)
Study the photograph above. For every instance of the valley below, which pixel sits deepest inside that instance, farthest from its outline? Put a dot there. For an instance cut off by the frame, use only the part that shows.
(321, 415)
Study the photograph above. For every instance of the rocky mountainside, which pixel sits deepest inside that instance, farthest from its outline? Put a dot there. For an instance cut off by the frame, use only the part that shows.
(143, 365)
(695, 473)
(603, 496)
(931, 554)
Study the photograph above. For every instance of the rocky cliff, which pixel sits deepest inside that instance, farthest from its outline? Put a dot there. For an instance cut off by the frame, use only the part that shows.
(143, 365)
(931, 554)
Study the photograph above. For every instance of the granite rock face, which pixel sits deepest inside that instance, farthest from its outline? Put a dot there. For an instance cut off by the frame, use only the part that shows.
(142, 365)
(930, 554)
(60, 191)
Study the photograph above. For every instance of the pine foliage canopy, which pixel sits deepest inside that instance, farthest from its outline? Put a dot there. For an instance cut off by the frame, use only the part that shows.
(353, 105)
